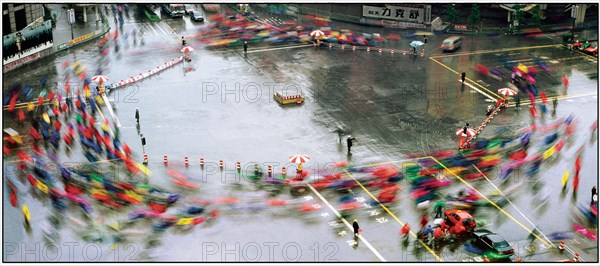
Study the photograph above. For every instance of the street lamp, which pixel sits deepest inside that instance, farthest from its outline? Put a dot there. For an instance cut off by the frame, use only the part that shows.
(71, 13)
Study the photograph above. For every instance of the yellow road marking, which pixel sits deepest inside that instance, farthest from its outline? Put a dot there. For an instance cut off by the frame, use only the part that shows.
(467, 79)
(499, 50)
(394, 216)
(486, 198)
(587, 55)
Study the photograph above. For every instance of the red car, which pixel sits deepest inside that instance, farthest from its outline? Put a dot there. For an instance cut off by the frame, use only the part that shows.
(458, 222)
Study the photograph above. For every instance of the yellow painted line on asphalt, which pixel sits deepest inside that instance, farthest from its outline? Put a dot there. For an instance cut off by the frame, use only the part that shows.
(486, 198)
(587, 55)
(467, 79)
(394, 216)
(174, 33)
(377, 254)
(498, 50)
(377, 164)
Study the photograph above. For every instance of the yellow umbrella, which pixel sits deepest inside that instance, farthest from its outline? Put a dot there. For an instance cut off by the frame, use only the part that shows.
(26, 213)
(523, 68)
(46, 118)
(30, 106)
(335, 33)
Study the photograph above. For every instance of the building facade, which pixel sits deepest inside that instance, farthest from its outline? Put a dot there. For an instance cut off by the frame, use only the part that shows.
(15, 17)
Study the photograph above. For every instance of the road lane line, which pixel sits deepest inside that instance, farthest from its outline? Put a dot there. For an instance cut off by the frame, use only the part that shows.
(347, 223)
(486, 198)
(169, 27)
(152, 27)
(478, 90)
(468, 79)
(514, 206)
(499, 50)
(395, 218)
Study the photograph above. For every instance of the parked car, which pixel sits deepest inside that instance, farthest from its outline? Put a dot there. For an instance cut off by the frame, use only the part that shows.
(458, 222)
(489, 241)
(189, 9)
(451, 44)
(197, 16)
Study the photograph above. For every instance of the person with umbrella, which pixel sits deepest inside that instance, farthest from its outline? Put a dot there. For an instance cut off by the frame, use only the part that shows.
(340, 131)
(299, 159)
(349, 141)
(355, 227)
(245, 47)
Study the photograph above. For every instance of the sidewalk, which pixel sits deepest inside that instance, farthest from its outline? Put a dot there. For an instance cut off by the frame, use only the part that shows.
(61, 34)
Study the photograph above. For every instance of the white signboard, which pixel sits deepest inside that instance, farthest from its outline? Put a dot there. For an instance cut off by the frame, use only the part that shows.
(71, 15)
(401, 13)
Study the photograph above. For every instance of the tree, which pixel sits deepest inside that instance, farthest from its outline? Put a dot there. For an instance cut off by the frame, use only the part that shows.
(474, 18)
(519, 15)
(451, 14)
(536, 16)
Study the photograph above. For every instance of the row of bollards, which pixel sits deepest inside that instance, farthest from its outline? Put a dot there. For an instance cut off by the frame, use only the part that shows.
(238, 165)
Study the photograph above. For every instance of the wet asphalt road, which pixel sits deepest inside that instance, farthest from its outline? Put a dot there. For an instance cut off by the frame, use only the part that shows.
(223, 110)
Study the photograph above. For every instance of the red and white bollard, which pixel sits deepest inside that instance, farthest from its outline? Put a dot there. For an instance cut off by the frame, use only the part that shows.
(368, 49)
(201, 161)
(392, 51)
(145, 159)
(423, 53)
(577, 258)
(353, 47)
(380, 50)
(283, 173)
(330, 45)
(343, 46)
(561, 247)
(221, 164)
(404, 52)
(238, 166)
(269, 170)
(165, 160)
(186, 161)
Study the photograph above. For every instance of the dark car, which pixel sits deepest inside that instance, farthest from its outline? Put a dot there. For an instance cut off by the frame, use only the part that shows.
(489, 241)
(197, 16)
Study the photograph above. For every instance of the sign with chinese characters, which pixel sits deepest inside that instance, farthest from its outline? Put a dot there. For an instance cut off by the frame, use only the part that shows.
(400, 13)
(460, 26)
(23, 60)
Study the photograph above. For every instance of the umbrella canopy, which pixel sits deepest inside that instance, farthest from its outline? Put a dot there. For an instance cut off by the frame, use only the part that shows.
(317, 33)
(507, 92)
(187, 49)
(416, 43)
(299, 158)
(470, 132)
(523, 68)
(100, 78)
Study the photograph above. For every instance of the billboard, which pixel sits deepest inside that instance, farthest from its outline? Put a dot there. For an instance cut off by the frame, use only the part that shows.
(412, 14)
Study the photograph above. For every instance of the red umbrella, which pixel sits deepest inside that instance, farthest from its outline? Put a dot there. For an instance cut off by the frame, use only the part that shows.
(100, 79)
(299, 158)
(187, 49)
(386, 171)
(507, 92)
(470, 132)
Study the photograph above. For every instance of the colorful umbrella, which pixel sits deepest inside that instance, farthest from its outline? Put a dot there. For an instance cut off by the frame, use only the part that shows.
(507, 92)
(470, 132)
(187, 49)
(100, 79)
(299, 158)
(317, 33)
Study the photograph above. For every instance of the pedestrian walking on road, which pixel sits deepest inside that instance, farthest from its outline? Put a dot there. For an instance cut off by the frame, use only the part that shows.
(463, 76)
(594, 192)
(137, 115)
(517, 101)
(245, 47)
(405, 230)
(349, 141)
(340, 131)
(424, 39)
(183, 41)
(355, 227)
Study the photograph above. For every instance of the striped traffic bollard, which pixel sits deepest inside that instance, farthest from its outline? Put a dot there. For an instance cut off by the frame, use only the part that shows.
(269, 170)
(145, 159)
(330, 45)
(561, 247)
(423, 53)
(165, 160)
(221, 164)
(186, 161)
(404, 52)
(368, 49)
(343, 46)
(380, 50)
(576, 258)
(392, 51)
(353, 47)
(202, 161)
(238, 166)
(283, 173)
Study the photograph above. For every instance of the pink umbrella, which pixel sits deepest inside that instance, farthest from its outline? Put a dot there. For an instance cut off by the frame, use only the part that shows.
(100, 79)
(187, 49)
(507, 92)
(299, 158)
(470, 132)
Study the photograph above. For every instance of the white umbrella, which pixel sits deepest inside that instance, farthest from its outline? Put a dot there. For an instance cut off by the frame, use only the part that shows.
(317, 33)
(100, 79)
(470, 132)
(299, 158)
(507, 92)
(187, 49)
(416, 43)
